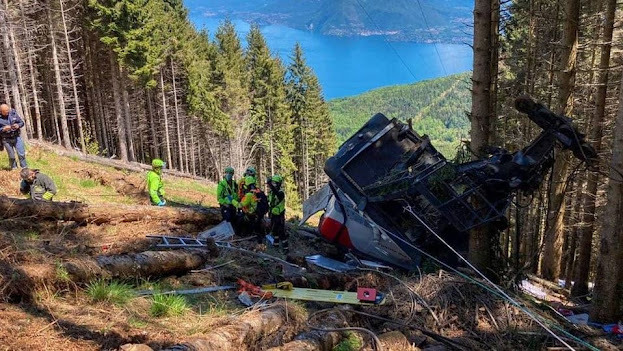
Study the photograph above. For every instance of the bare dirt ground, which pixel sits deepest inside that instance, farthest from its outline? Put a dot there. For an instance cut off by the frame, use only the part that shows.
(40, 310)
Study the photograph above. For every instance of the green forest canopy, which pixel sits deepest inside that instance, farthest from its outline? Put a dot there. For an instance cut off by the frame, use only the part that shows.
(438, 108)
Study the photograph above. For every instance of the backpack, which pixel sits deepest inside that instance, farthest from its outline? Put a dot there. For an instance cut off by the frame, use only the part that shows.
(262, 204)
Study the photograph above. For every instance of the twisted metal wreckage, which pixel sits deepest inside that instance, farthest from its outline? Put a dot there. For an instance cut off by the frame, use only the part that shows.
(390, 190)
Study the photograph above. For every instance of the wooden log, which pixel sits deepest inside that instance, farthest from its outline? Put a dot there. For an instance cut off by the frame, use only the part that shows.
(312, 341)
(105, 213)
(316, 340)
(395, 341)
(19, 282)
(248, 330)
(144, 264)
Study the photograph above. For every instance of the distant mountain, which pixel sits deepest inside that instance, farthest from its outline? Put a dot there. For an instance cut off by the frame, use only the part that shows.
(399, 20)
(438, 108)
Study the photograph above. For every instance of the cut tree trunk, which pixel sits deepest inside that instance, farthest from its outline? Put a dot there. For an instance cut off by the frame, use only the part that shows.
(311, 341)
(104, 213)
(20, 282)
(143, 265)
(316, 340)
(248, 330)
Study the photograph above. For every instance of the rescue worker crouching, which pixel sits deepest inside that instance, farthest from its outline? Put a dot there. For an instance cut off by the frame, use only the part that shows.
(250, 172)
(227, 195)
(37, 185)
(254, 206)
(155, 187)
(277, 211)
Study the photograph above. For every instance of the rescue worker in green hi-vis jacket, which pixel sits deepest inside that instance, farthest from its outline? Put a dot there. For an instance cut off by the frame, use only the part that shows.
(277, 211)
(227, 195)
(155, 187)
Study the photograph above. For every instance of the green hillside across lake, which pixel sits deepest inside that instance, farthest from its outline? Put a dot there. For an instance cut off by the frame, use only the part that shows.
(438, 108)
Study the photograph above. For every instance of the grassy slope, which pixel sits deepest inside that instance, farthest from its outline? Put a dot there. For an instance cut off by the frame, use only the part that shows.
(91, 183)
(437, 107)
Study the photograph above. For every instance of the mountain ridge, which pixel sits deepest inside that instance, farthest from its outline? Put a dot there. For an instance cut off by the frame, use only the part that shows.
(438, 108)
(398, 20)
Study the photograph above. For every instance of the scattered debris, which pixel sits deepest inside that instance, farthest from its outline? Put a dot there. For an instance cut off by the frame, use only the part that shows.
(329, 264)
(221, 232)
(363, 296)
(261, 254)
(245, 299)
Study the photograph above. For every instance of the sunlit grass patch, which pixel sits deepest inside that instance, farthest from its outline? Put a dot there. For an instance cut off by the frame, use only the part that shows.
(110, 291)
(168, 305)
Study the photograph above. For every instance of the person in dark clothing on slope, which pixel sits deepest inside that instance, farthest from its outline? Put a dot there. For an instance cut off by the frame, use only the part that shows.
(10, 126)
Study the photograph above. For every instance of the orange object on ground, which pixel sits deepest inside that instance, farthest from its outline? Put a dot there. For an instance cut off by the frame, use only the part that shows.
(253, 290)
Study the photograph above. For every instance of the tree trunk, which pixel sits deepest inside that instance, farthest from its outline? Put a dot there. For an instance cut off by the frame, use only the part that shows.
(192, 146)
(74, 85)
(139, 265)
(585, 244)
(480, 241)
(554, 235)
(105, 213)
(607, 292)
(127, 121)
(121, 134)
(177, 121)
(59, 87)
(22, 107)
(166, 121)
(573, 235)
(153, 147)
(249, 329)
(33, 83)
(10, 62)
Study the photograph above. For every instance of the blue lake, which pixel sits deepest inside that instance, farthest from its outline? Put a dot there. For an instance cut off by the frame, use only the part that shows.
(350, 66)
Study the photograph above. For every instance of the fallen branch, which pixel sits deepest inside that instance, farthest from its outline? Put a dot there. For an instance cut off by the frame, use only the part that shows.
(105, 213)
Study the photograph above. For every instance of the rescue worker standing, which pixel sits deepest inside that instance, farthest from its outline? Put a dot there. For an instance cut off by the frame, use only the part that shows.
(10, 126)
(277, 212)
(155, 187)
(37, 185)
(227, 195)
